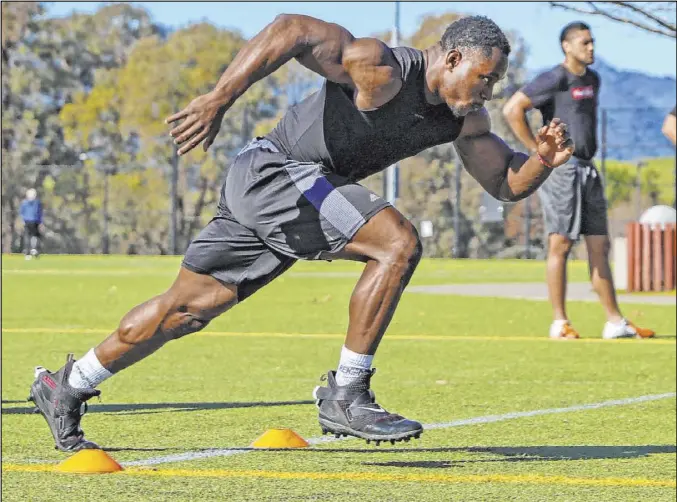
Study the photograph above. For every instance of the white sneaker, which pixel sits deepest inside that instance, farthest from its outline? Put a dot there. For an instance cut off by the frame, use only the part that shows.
(562, 330)
(625, 329)
(28, 257)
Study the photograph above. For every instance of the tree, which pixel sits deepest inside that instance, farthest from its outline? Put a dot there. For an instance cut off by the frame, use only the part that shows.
(91, 124)
(50, 61)
(101, 84)
(163, 76)
(654, 17)
(17, 19)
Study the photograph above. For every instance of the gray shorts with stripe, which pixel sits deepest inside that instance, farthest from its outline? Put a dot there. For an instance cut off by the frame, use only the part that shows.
(573, 201)
(273, 211)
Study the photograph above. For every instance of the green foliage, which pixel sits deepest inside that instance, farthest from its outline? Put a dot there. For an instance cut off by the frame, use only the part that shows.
(161, 77)
(656, 181)
(102, 85)
(47, 63)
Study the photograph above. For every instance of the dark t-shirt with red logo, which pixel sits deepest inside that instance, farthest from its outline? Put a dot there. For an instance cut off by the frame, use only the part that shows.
(573, 99)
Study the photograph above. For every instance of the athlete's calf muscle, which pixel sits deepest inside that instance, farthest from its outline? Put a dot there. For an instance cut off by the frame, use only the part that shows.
(187, 307)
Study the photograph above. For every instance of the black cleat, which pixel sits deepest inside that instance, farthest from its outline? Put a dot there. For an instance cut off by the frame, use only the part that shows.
(62, 406)
(352, 410)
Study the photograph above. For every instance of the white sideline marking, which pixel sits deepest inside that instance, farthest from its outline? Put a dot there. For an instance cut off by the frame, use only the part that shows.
(225, 452)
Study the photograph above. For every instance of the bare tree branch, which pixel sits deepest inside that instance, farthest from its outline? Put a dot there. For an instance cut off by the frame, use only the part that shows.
(646, 13)
(627, 20)
(665, 28)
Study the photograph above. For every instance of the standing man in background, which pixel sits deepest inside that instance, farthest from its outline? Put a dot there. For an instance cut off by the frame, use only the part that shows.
(31, 213)
(572, 197)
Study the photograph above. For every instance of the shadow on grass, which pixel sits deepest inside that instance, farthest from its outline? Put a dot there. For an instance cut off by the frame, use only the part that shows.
(531, 454)
(138, 408)
(121, 448)
(510, 454)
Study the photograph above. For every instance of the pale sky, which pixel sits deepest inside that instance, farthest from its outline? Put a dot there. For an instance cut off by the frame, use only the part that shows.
(622, 46)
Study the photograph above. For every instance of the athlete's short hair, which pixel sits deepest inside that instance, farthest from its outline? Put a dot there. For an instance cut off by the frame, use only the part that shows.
(574, 26)
(475, 32)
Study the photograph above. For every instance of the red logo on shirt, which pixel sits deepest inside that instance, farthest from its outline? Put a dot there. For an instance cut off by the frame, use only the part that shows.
(583, 92)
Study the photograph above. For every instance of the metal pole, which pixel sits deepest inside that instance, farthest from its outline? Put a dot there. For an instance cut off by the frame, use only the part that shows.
(638, 188)
(674, 183)
(527, 228)
(173, 202)
(604, 125)
(245, 127)
(457, 210)
(105, 244)
(392, 173)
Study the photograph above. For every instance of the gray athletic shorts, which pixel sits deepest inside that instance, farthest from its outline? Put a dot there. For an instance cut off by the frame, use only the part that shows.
(573, 201)
(274, 211)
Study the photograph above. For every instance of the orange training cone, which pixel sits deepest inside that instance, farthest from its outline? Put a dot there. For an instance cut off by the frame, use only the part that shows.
(89, 462)
(280, 438)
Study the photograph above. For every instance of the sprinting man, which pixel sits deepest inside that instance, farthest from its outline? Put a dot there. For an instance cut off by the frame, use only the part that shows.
(572, 198)
(31, 214)
(294, 194)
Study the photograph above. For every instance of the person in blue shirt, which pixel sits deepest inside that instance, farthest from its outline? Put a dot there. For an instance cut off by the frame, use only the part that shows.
(31, 213)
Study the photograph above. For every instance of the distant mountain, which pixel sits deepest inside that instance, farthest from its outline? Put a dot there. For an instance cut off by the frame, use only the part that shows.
(636, 105)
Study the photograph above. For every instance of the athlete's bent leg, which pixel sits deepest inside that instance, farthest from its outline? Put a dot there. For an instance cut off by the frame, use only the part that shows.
(390, 246)
(188, 306)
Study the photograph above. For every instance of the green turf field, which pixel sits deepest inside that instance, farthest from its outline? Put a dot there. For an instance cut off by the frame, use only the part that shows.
(181, 420)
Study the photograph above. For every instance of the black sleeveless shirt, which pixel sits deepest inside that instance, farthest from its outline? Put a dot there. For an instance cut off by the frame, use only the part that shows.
(327, 127)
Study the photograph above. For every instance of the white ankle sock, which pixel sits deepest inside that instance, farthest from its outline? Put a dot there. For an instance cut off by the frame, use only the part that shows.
(351, 366)
(87, 372)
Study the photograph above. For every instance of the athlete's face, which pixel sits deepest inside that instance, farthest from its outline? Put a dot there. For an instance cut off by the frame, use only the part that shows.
(469, 78)
(579, 45)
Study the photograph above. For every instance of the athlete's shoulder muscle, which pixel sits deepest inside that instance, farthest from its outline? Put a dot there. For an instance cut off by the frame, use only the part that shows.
(333, 52)
(322, 45)
(374, 71)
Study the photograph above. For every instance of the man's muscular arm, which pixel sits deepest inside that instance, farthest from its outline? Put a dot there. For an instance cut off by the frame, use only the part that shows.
(507, 175)
(325, 48)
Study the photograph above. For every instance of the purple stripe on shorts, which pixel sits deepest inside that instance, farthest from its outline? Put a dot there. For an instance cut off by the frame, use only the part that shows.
(318, 192)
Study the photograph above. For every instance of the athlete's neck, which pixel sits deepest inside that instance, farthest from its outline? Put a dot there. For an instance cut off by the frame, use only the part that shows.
(433, 74)
(576, 67)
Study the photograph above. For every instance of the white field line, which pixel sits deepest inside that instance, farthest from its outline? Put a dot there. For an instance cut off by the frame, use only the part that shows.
(225, 452)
